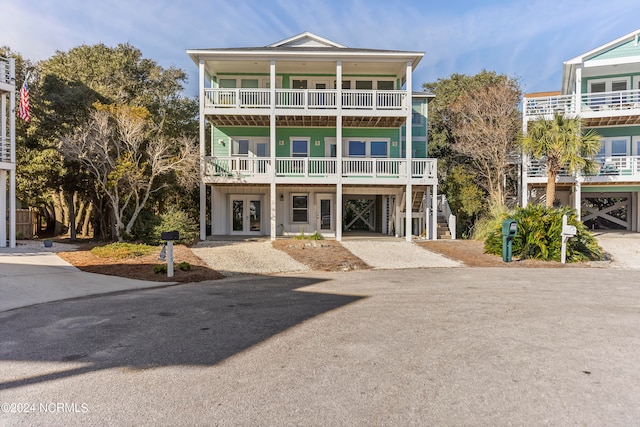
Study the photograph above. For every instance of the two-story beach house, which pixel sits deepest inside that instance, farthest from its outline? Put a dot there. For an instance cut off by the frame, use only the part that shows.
(7, 151)
(306, 135)
(602, 88)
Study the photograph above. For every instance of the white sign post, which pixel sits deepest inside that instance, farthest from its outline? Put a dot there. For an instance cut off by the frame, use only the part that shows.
(568, 231)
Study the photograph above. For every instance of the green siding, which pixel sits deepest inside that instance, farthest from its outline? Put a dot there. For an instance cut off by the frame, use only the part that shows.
(622, 51)
(585, 81)
(610, 189)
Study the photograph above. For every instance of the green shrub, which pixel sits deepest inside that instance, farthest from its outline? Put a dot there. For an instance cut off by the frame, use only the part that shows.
(122, 250)
(539, 235)
(175, 219)
(184, 266)
(160, 268)
(314, 236)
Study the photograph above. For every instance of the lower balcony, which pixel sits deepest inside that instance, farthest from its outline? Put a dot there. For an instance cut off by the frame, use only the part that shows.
(319, 170)
(5, 151)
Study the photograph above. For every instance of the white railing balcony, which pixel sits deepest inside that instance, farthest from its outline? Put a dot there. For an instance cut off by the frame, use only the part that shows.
(236, 166)
(305, 167)
(306, 99)
(5, 71)
(626, 167)
(232, 168)
(5, 150)
(591, 104)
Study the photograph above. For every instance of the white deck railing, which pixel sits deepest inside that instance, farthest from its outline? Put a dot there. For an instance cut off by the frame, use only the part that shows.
(306, 99)
(627, 166)
(444, 210)
(319, 167)
(5, 73)
(590, 103)
(5, 150)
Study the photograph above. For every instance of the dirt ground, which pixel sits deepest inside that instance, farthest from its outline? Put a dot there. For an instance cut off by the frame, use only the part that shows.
(141, 268)
(323, 255)
(471, 253)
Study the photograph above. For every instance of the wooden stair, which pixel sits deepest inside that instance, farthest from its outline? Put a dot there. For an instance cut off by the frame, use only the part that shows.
(443, 229)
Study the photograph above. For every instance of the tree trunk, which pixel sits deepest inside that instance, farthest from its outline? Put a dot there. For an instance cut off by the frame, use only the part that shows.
(72, 215)
(86, 223)
(551, 188)
(58, 213)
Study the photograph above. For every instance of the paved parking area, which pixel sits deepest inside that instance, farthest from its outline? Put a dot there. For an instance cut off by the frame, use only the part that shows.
(456, 346)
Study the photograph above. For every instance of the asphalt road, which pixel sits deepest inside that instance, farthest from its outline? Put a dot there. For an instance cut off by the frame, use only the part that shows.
(417, 347)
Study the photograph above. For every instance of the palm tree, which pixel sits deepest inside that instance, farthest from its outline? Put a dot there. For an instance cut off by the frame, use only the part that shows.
(560, 143)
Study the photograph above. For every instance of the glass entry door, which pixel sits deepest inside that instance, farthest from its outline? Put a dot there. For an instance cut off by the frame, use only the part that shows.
(246, 215)
(325, 221)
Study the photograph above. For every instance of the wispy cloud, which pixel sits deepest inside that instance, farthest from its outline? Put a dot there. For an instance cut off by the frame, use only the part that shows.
(529, 39)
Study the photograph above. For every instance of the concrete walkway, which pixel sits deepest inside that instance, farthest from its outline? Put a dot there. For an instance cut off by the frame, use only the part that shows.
(28, 278)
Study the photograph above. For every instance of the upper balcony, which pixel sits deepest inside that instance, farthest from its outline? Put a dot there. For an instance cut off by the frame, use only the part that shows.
(595, 109)
(306, 107)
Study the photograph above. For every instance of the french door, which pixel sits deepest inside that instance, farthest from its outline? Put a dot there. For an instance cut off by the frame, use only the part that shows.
(325, 215)
(246, 214)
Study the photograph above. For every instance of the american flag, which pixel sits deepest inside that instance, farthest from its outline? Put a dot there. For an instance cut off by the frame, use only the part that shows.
(23, 111)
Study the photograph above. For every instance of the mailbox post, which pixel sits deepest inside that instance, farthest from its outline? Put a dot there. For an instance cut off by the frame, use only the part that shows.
(568, 231)
(509, 230)
(170, 236)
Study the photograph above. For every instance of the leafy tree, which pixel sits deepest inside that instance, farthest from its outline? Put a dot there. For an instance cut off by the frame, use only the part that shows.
(63, 89)
(559, 143)
(126, 166)
(486, 125)
(453, 115)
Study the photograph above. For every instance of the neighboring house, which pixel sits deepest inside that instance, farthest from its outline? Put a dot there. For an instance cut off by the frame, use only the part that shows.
(306, 135)
(7, 151)
(602, 87)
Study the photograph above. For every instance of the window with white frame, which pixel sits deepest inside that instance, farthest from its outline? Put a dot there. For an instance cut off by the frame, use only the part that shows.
(240, 147)
(615, 147)
(251, 147)
(373, 147)
(300, 208)
(299, 147)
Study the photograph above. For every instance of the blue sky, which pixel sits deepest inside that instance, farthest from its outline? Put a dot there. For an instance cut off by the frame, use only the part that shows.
(525, 39)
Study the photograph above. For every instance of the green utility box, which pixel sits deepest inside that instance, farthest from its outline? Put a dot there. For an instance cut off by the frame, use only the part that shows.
(509, 231)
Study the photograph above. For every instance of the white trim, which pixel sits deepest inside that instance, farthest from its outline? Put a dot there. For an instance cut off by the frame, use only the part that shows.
(367, 142)
(253, 145)
(306, 35)
(299, 138)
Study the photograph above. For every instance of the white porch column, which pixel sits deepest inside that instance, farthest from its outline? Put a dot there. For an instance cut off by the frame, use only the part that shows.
(409, 156)
(578, 95)
(3, 208)
(273, 210)
(339, 152)
(12, 207)
(12, 172)
(524, 159)
(434, 213)
(577, 203)
(203, 188)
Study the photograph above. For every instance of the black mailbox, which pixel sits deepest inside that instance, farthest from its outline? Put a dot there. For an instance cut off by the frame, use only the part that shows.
(170, 235)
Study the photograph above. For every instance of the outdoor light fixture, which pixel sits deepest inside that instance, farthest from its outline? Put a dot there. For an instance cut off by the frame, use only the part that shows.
(221, 141)
(281, 197)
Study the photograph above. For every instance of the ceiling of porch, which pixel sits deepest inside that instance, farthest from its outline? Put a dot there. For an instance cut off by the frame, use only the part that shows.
(307, 121)
(611, 121)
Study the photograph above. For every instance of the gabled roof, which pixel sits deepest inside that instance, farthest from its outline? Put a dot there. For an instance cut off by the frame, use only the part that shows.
(623, 50)
(304, 44)
(306, 39)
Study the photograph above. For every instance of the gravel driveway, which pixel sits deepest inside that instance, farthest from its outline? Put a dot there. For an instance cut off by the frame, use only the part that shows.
(240, 257)
(396, 255)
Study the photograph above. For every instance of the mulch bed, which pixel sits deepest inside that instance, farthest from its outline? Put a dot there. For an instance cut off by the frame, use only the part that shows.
(322, 255)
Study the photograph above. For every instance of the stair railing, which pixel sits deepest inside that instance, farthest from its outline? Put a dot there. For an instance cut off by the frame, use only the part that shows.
(444, 210)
